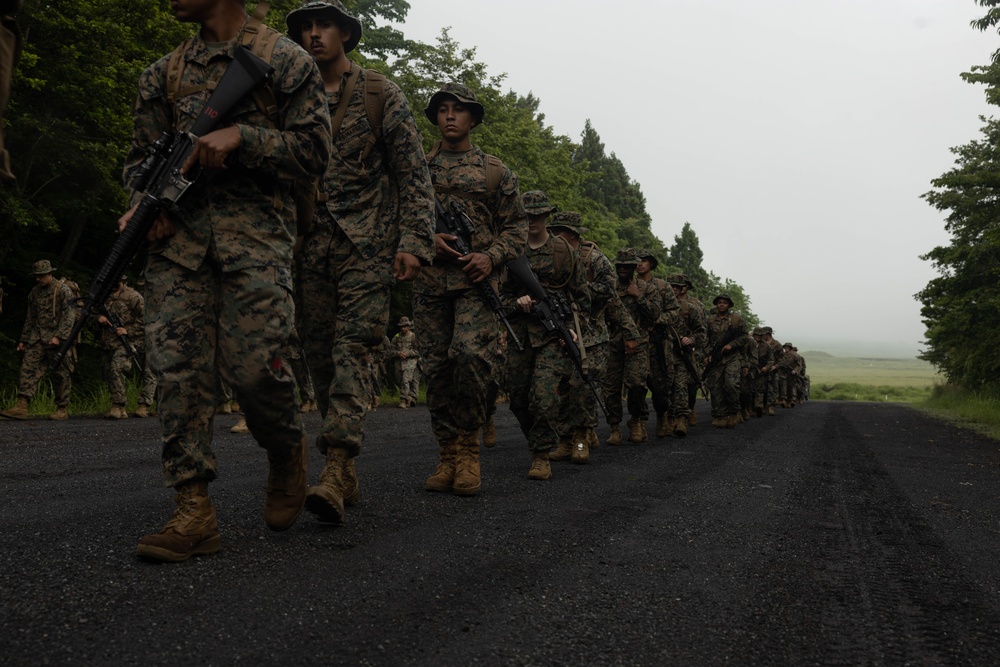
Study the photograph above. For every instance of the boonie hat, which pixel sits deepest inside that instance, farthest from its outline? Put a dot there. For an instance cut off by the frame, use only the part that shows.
(332, 8)
(568, 220)
(41, 267)
(460, 92)
(536, 202)
(722, 296)
(626, 257)
(404, 322)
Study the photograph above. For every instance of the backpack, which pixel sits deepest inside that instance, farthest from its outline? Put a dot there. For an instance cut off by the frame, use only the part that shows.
(261, 40)
(74, 289)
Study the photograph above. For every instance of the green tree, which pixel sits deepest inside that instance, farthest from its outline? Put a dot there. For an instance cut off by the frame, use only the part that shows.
(686, 255)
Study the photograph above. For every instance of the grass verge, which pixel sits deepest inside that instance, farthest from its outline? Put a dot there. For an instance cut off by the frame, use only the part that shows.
(978, 411)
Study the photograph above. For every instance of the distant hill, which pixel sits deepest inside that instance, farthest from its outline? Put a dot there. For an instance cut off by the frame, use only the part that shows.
(812, 354)
(859, 349)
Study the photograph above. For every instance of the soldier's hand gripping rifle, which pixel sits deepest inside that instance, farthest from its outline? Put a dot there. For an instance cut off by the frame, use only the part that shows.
(160, 180)
(665, 334)
(115, 323)
(457, 223)
(716, 355)
(553, 311)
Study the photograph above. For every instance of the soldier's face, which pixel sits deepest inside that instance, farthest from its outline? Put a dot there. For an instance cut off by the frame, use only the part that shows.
(454, 120)
(193, 11)
(722, 306)
(645, 266)
(44, 279)
(677, 290)
(323, 39)
(625, 272)
(536, 223)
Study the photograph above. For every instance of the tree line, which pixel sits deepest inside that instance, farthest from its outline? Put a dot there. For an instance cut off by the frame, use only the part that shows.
(69, 125)
(961, 306)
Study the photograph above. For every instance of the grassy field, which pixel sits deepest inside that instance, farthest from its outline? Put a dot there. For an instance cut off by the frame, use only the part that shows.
(854, 379)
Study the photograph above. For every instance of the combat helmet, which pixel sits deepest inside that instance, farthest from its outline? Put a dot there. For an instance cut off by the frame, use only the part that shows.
(331, 8)
(722, 297)
(460, 92)
(536, 202)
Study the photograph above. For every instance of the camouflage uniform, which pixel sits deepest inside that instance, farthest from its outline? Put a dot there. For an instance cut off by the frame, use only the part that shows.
(458, 332)
(789, 372)
(662, 353)
(689, 323)
(219, 291)
(725, 376)
(50, 315)
(773, 375)
(629, 370)
(763, 361)
(295, 355)
(404, 349)
(539, 376)
(127, 305)
(377, 207)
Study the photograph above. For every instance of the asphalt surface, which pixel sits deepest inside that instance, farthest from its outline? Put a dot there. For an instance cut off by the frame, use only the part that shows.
(831, 534)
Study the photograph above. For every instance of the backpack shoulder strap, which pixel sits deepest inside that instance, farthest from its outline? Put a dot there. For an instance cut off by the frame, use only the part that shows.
(494, 174)
(563, 254)
(374, 108)
(435, 149)
(175, 69)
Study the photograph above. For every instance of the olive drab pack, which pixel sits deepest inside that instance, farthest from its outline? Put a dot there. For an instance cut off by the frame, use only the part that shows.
(74, 289)
(261, 40)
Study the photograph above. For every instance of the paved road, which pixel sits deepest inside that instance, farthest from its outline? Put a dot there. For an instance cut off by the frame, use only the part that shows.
(833, 534)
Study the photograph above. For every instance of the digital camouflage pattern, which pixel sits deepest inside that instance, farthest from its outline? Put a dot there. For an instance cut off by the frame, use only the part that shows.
(404, 349)
(629, 370)
(50, 315)
(539, 377)
(219, 299)
(458, 332)
(724, 378)
(127, 305)
(377, 207)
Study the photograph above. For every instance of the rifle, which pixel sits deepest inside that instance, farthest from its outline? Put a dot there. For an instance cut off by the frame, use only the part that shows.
(159, 178)
(457, 223)
(115, 323)
(661, 332)
(716, 354)
(553, 311)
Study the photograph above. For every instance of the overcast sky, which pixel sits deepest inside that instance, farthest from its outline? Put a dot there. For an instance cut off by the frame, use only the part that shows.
(795, 136)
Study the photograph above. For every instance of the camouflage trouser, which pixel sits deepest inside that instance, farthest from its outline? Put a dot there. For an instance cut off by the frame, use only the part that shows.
(409, 381)
(661, 363)
(345, 311)
(457, 334)
(629, 371)
(786, 386)
(147, 392)
(115, 363)
(724, 382)
(36, 361)
(579, 409)
(679, 399)
(760, 385)
(539, 382)
(206, 324)
(300, 369)
(774, 388)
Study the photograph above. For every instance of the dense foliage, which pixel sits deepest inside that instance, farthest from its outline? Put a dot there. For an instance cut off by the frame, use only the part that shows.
(961, 307)
(69, 124)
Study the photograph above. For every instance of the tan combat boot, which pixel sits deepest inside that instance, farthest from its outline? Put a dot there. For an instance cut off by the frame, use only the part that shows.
(352, 490)
(681, 427)
(444, 477)
(693, 418)
(635, 431)
(192, 531)
(615, 438)
(467, 473)
(592, 440)
(326, 499)
(540, 468)
(286, 485)
(142, 411)
(564, 449)
(117, 411)
(19, 411)
(663, 425)
(240, 426)
(580, 446)
(60, 413)
(490, 433)
(225, 409)
(770, 411)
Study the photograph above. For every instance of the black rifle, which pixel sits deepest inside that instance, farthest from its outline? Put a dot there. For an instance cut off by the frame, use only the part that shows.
(716, 355)
(553, 311)
(458, 224)
(661, 334)
(115, 323)
(159, 178)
